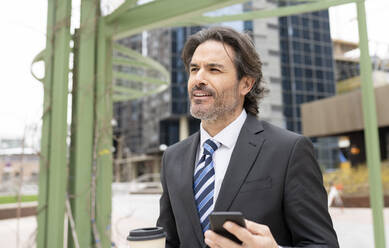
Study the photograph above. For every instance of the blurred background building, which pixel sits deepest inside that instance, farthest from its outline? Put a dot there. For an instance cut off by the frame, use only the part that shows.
(17, 162)
(298, 67)
(341, 115)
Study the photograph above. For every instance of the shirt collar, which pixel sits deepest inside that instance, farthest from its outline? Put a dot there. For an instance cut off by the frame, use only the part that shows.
(228, 136)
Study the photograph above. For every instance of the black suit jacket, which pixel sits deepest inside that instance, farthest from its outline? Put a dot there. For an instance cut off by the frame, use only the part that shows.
(272, 178)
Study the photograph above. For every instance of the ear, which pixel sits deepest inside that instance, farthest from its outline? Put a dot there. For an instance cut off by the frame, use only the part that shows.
(246, 83)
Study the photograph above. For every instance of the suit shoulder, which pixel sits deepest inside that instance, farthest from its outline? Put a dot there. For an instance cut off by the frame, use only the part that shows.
(182, 145)
(280, 135)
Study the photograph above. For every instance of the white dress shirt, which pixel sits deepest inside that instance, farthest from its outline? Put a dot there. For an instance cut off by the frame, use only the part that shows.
(221, 157)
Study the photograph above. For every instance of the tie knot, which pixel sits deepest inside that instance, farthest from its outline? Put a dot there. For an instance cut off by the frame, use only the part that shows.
(211, 146)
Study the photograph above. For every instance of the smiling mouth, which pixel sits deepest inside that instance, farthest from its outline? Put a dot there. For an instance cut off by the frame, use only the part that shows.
(201, 94)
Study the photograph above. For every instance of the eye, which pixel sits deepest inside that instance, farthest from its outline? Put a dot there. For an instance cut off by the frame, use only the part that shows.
(215, 70)
(194, 69)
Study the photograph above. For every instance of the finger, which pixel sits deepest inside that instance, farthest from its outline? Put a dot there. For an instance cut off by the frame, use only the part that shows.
(208, 239)
(240, 232)
(219, 241)
(256, 228)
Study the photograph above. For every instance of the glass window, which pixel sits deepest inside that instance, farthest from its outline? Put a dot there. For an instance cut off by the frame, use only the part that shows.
(298, 127)
(309, 86)
(297, 58)
(289, 125)
(288, 111)
(328, 62)
(307, 47)
(295, 20)
(299, 85)
(305, 22)
(316, 24)
(286, 84)
(310, 98)
(319, 74)
(179, 107)
(318, 61)
(320, 87)
(308, 73)
(296, 46)
(287, 98)
(327, 50)
(283, 21)
(307, 60)
(317, 49)
(248, 25)
(327, 37)
(316, 36)
(285, 71)
(284, 45)
(298, 111)
(296, 32)
(299, 98)
(298, 72)
(306, 34)
(285, 58)
(284, 31)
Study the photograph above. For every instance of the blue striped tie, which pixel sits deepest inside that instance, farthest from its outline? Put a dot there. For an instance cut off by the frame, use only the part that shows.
(204, 183)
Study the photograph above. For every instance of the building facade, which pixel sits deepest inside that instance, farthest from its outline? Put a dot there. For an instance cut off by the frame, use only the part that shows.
(307, 73)
(296, 52)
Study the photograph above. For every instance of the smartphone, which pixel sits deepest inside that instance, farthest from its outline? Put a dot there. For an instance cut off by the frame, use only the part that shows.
(217, 220)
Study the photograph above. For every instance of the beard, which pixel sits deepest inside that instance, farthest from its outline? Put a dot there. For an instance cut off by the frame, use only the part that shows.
(223, 105)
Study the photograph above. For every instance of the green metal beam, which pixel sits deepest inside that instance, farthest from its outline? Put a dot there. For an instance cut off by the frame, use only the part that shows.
(81, 152)
(139, 79)
(143, 59)
(131, 63)
(251, 15)
(38, 58)
(127, 5)
(46, 124)
(133, 94)
(371, 131)
(103, 135)
(58, 131)
(161, 13)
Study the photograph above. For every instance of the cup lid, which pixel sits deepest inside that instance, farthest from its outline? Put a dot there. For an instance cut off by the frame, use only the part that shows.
(147, 233)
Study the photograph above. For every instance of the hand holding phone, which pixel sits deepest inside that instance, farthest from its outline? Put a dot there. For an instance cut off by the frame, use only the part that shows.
(217, 220)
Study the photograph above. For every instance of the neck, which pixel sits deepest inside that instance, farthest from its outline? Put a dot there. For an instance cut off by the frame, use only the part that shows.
(213, 127)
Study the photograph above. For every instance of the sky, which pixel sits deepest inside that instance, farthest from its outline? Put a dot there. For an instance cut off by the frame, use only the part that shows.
(23, 28)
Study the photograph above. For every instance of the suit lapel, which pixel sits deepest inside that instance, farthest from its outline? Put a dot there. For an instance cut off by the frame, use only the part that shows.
(242, 159)
(188, 163)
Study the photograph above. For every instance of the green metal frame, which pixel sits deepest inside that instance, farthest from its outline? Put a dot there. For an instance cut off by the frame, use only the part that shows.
(82, 133)
(57, 152)
(95, 89)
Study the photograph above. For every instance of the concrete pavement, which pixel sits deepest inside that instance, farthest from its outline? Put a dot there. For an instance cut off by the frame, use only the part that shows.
(353, 225)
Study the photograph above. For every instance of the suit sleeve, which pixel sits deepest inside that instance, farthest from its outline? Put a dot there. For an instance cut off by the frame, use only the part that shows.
(305, 200)
(166, 216)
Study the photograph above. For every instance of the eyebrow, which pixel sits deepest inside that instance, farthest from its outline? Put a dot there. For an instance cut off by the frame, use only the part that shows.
(208, 65)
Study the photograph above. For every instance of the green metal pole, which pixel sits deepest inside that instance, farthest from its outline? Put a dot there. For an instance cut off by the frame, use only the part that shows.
(371, 130)
(81, 152)
(58, 132)
(46, 120)
(104, 109)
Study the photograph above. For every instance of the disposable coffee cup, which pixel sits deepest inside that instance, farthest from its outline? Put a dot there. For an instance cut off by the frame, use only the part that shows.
(151, 237)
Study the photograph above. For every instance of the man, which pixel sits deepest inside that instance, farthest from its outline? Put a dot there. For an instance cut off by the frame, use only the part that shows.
(236, 162)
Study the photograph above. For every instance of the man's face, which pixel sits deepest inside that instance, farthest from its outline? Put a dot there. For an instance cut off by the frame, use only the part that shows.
(213, 87)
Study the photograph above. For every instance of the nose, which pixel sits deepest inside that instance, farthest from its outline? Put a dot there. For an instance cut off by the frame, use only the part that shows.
(200, 77)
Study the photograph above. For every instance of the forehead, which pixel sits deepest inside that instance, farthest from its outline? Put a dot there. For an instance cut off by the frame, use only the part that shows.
(213, 52)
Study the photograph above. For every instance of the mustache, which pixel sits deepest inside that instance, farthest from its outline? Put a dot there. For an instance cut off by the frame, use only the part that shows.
(202, 88)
